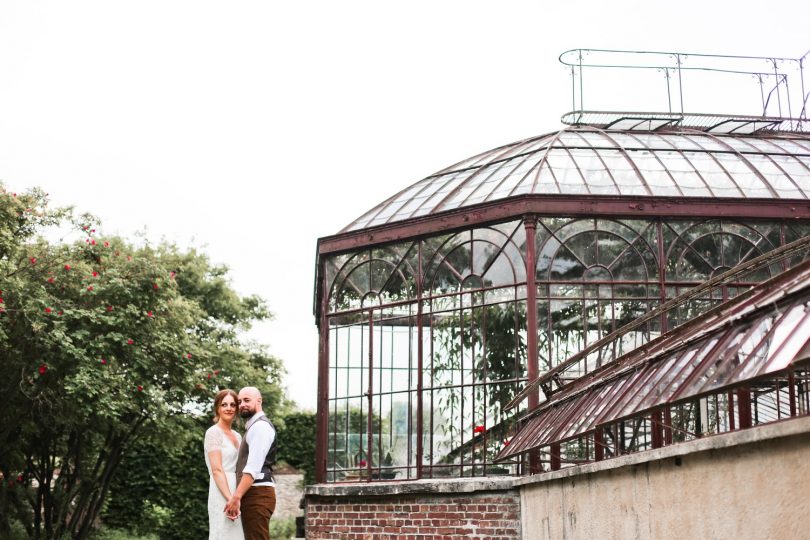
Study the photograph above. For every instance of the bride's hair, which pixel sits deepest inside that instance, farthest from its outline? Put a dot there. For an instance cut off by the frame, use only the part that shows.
(218, 401)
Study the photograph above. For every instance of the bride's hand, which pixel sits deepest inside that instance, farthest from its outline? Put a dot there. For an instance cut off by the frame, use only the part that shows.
(232, 508)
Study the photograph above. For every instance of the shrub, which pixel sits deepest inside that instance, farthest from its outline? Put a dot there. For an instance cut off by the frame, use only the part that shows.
(282, 529)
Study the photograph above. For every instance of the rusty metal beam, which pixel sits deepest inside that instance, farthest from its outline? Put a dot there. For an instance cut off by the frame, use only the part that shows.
(322, 416)
(569, 206)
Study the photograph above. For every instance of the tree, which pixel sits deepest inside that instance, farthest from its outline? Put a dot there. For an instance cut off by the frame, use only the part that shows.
(104, 343)
(486, 340)
(296, 443)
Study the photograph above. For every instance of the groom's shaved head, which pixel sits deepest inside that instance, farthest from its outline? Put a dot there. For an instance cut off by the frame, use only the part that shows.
(252, 391)
(250, 401)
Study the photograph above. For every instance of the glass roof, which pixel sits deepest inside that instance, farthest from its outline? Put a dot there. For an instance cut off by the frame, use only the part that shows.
(762, 332)
(585, 160)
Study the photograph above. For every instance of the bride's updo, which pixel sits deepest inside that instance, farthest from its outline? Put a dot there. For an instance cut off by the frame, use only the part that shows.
(218, 401)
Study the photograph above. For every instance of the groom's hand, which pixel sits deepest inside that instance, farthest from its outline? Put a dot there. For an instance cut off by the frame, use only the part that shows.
(232, 507)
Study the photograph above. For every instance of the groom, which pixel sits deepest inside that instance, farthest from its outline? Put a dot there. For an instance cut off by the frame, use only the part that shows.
(255, 493)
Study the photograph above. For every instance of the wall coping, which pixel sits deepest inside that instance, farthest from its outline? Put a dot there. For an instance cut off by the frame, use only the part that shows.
(425, 486)
(776, 430)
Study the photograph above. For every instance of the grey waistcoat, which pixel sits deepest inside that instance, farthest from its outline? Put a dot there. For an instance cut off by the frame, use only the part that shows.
(269, 459)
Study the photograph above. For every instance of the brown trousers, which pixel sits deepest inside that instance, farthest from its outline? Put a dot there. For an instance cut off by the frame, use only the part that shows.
(258, 504)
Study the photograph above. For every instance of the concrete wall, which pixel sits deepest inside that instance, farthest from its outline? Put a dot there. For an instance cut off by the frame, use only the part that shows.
(748, 484)
(740, 485)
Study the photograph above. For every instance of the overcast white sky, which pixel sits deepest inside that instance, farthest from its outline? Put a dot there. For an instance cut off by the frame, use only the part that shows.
(251, 128)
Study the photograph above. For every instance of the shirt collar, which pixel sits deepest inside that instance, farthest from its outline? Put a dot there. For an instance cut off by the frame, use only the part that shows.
(253, 419)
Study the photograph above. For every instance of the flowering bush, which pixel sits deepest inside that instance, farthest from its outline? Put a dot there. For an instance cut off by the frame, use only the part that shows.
(97, 336)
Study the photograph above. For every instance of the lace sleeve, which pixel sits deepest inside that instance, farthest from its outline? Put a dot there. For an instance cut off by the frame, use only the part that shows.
(213, 440)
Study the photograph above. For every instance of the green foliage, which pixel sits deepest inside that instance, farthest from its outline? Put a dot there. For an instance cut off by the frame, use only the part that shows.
(487, 337)
(355, 420)
(118, 534)
(282, 529)
(296, 443)
(484, 340)
(107, 345)
(165, 488)
(16, 531)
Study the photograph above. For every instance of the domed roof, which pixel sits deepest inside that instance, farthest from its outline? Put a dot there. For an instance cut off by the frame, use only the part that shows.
(586, 160)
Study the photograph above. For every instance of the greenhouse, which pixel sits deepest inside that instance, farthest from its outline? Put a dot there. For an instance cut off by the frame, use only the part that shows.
(518, 272)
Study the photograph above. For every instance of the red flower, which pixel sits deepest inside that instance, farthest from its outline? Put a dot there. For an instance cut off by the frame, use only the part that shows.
(130, 342)
(33, 260)
(59, 312)
(92, 230)
(20, 478)
(109, 308)
(479, 429)
(172, 274)
(155, 286)
(188, 356)
(106, 244)
(216, 372)
(50, 280)
(92, 242)
(149, 314)
(42, 369)
(209, 375)
(1, 300)
(362, 463)
(95, 274)
(506, 442)
(140, 388)
(67, 267)
(47, 310)
(103, 361)
(90, 288)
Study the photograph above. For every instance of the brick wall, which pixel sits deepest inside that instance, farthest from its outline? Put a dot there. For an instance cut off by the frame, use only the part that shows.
(492, 516)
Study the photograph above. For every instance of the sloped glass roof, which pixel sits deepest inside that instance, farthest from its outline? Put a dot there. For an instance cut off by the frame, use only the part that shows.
(585, 160)
(764, 331)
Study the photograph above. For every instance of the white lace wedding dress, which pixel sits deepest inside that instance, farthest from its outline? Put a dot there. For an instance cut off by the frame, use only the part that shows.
(220, 527)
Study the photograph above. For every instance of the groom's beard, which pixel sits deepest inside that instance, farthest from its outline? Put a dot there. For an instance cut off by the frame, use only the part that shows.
(246, 414)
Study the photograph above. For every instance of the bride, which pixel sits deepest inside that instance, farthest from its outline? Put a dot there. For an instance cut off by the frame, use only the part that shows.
(221, 450)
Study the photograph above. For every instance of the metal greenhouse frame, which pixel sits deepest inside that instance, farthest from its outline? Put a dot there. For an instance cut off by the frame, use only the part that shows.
(554, 300)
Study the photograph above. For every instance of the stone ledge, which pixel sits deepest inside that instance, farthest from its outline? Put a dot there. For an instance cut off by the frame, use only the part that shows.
(415, 487)
(776, 430)
(786, 428)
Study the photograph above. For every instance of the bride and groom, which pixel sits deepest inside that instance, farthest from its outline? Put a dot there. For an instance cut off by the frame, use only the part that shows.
(241, 491)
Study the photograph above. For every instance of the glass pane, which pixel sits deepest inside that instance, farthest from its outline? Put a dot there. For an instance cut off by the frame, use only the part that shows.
(347, 436)
(655, 175)
(688, 180)
(565, 171)
(598, 178)
(751, 185)
(721, 173)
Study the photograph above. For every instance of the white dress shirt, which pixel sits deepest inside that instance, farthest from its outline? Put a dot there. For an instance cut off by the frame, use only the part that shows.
(259, 438)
